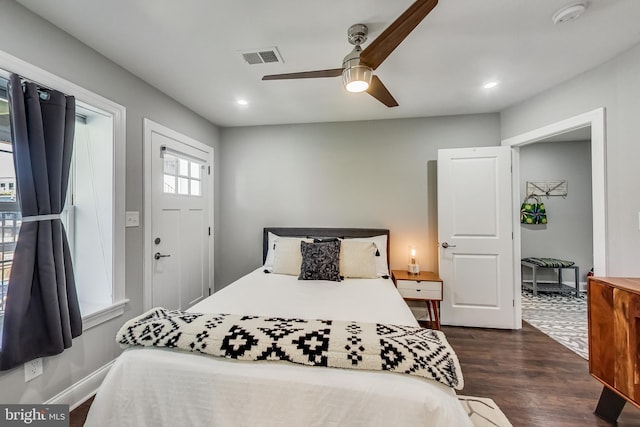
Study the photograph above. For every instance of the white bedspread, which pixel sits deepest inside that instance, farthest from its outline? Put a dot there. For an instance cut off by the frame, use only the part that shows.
(158, 387)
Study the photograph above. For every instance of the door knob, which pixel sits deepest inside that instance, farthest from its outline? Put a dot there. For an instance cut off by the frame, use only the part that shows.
(158, 255)
(446, 245)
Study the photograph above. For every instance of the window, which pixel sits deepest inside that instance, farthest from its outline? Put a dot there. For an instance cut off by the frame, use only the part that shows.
(94, 211)
(9, 209)
(182, 176)
(88, 214)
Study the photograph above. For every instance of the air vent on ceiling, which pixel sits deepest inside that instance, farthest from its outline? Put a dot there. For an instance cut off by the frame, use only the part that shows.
(262, 56)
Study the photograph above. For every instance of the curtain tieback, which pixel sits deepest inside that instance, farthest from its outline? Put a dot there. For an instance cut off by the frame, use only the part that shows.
(40, 218)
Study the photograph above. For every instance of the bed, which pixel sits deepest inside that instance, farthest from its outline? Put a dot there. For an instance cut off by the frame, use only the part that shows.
(165, 387)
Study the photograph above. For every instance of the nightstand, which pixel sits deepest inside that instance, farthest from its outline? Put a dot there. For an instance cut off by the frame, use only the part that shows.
(425, 286)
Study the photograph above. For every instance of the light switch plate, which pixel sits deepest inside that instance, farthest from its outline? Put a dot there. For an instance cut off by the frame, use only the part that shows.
(132, 219)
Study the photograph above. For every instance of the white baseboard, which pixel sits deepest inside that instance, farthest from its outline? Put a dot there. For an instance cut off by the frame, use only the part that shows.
(82, 390)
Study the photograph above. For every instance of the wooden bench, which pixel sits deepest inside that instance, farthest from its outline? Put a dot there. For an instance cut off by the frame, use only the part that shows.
(549, 263)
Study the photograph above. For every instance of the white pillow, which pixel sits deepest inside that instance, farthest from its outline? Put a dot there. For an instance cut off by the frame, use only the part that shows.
(287, 257)
(382, 268)
(358, 259)
(268, 261)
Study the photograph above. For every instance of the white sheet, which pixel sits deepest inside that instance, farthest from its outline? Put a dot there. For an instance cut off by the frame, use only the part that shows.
(268, 294)
(149, 386)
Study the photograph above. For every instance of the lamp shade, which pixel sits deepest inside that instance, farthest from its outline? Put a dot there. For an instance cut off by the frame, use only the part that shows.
(356, 78)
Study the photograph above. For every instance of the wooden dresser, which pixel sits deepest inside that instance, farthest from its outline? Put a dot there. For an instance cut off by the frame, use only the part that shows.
(614, 342)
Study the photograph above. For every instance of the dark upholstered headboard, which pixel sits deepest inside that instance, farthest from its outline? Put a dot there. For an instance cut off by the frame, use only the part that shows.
(320, 232)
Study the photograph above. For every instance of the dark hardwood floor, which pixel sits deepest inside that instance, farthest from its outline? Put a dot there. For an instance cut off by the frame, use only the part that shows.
(535, 381)
(79, 415)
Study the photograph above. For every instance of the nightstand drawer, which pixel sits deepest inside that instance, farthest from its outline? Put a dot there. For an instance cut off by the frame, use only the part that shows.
(421, 290)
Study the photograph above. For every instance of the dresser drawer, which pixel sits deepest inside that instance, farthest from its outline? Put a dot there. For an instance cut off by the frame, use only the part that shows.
(421, 290)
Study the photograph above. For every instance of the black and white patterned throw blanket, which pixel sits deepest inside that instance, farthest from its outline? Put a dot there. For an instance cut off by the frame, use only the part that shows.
(331, 343)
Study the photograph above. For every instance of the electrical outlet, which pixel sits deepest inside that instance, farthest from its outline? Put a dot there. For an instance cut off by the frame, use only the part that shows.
(32, 369)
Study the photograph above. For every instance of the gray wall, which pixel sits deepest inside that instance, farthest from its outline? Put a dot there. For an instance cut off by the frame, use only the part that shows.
(32, 39)
(356, 174)
(569, 231)
(614, 85)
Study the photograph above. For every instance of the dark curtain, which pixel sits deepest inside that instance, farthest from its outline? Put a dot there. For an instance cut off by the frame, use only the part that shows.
(42, 314)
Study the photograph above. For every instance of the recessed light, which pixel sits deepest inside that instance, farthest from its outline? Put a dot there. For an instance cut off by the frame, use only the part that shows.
(489, 85)
(242, 102)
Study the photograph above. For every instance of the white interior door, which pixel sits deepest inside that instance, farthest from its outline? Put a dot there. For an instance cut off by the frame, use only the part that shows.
(180, 222)
(475, 237)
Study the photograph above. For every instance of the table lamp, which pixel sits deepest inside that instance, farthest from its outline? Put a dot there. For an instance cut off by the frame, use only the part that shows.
(414, 268)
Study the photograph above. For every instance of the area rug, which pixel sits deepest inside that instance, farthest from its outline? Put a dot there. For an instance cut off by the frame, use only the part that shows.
(484, 412)
(561, 316)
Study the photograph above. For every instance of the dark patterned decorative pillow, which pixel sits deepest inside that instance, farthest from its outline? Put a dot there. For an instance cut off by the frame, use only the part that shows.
(320, 261)
(325, 239)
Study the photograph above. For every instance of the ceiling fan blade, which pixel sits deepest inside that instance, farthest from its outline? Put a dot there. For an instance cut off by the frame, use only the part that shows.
(380, 92)
(334, 72)
(379, 49)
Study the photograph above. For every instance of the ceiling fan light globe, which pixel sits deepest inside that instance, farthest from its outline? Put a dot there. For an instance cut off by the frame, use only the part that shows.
(357, 86)
(356, 78)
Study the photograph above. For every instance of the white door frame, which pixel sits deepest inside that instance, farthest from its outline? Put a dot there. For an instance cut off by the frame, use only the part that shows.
(595, 119)
(150, 127)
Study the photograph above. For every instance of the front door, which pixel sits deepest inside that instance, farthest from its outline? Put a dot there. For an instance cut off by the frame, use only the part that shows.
(180, 221)
(475, 237)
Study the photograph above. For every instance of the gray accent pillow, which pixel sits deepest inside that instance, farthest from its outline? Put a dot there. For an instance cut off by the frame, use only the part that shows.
(320, 261)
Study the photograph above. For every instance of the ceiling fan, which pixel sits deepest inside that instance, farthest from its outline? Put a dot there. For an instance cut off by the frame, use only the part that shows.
(358, 65)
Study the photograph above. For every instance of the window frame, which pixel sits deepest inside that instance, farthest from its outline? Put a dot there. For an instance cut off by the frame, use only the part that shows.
(118, 112)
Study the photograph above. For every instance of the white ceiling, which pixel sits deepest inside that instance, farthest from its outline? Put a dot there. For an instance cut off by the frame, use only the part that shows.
(189, 49)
